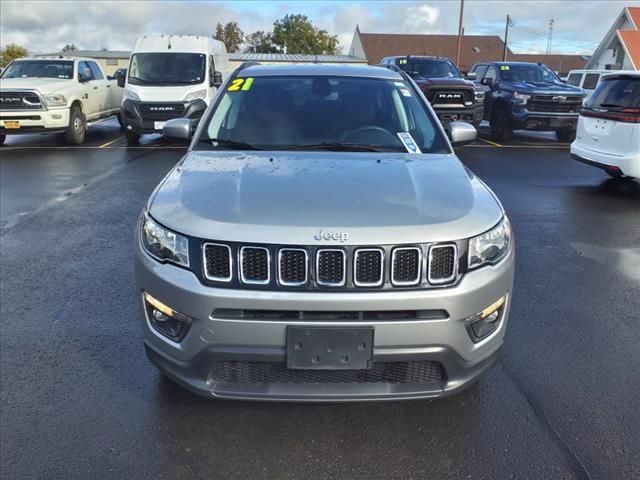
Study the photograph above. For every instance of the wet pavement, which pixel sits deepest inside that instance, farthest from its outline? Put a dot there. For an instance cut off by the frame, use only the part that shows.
(80, 400)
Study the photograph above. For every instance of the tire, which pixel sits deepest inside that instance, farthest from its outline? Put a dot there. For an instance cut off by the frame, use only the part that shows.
(133, 138)
(566, 135)
(120, 121)
(500, 128)
(2, 139)
(77, 129)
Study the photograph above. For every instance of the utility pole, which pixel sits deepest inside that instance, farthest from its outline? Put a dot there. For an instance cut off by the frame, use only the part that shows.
(460, 34)
(506, 38)
(550, 37)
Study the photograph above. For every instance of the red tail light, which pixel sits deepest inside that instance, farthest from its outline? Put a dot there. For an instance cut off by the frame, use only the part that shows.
(625, 115)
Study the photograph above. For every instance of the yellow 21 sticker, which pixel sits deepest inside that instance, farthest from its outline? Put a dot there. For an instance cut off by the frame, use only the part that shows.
(240, 84)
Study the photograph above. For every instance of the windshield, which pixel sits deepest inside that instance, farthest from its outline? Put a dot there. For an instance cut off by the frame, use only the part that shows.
(528, 73)
(429, 68)
(167, 68)
(616, 93)
(323, 113)
(39, 68)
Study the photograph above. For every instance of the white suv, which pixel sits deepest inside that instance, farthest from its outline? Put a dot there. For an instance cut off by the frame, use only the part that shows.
(608, 133)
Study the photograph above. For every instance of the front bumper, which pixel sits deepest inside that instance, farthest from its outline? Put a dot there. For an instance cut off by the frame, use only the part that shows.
(35, 121)
(211, 340)
(471, 115)
(134, 118)
(541, 121)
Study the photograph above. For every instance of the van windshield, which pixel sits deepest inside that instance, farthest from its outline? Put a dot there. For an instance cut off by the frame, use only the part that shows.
(39, 69)
(321, 113)
(167, 68)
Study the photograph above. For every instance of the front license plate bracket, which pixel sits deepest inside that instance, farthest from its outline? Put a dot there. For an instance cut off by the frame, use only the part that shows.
(327, 348)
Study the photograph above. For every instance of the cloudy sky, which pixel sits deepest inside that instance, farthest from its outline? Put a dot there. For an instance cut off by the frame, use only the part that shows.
(47, 26)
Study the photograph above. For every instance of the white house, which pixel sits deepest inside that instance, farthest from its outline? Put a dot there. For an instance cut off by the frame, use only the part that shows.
(620, 48)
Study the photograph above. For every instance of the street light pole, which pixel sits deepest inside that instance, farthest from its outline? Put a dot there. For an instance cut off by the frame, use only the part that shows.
(506, 39)
(460, 33)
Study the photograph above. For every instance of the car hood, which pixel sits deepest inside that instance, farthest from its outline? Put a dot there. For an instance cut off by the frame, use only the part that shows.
(287, 197)
(43, 85)
(544, 88)
(453, 82)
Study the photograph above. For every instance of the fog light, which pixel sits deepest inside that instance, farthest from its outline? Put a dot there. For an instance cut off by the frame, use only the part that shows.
(55, 116)
(165, 319)
(482, 324)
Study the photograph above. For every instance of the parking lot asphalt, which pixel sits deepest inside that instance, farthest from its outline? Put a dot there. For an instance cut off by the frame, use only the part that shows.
(80, 400)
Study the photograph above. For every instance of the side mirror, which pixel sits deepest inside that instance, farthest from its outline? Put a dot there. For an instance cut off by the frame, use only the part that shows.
(178, 130)
(109, 77)
(216, 79)
(120, 79)
(487, 81)
(472, 76)
(461, 133)
(83, 78)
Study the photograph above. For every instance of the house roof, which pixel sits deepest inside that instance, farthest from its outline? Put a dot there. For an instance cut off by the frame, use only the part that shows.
(474, 48)
(634, 16)
(292, 58)
(630, 40)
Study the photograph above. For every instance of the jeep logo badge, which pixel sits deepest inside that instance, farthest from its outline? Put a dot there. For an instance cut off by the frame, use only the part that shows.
(335, 236)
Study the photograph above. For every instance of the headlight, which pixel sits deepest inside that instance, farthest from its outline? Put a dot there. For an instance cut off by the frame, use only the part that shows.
(128, 94)
(55, 100)
(479, 96)
(521, 97)
(200, 94)
(163, 244)
(491, 246)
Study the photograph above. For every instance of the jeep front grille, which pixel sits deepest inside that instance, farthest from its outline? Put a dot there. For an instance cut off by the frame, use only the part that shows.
(329, 268)
(248, 373)
(293, 264)
(255, 265)
(406, 266)
(442, 264)
(368, 267)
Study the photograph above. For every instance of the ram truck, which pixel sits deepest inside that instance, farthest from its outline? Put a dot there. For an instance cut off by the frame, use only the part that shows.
(451, 96)
(527, 96)
(55, 95)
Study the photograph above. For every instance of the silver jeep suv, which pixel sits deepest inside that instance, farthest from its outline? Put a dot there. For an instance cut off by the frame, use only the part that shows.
(320, 241)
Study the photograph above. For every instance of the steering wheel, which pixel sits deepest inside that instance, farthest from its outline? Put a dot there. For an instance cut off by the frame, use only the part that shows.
(362, 131)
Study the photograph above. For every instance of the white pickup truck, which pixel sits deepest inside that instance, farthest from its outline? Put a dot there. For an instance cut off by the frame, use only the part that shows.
(55, 94)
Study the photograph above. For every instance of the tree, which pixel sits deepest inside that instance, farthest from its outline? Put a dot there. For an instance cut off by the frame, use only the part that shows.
(69, 47)
(260, 42)
(231, 35)
(10, 52)
(296, 34)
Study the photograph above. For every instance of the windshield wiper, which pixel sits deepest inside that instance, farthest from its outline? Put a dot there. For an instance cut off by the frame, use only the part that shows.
(338, 146)
(230, 144)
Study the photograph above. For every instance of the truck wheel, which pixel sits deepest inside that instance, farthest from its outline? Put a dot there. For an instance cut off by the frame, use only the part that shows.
(133, 138)
(2, 139)
(500, 128)
(566, 135)
(77, 128)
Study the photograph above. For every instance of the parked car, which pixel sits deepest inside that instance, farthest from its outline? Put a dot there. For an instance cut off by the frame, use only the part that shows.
(451, 96)
(55, 94)
(609, 126)
(588, 80)
(527, 96)
(170, 76)
(320, 241)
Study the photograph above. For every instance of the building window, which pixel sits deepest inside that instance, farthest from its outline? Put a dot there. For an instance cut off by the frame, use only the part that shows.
(112, 61)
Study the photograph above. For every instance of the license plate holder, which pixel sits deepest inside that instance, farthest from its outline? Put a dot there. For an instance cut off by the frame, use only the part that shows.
(11, 124)
(158, 125)
(328, 348)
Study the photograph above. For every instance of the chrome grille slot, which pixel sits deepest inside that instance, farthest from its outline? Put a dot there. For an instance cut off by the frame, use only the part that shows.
(254, 265)
(218, 263)
(16, 100)
(292, 266)
(443, 262)
(368, 267)
(331, 267)
(406, 266)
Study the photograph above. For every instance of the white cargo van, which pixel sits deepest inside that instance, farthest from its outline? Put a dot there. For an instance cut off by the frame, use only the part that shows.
(170, 76)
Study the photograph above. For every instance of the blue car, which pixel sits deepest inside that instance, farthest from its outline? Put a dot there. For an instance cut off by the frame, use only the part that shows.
(527, 96)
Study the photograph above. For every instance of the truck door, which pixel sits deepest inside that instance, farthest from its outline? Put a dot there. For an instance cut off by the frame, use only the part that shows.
(89, 89)
(488, 80)
(103, 92)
